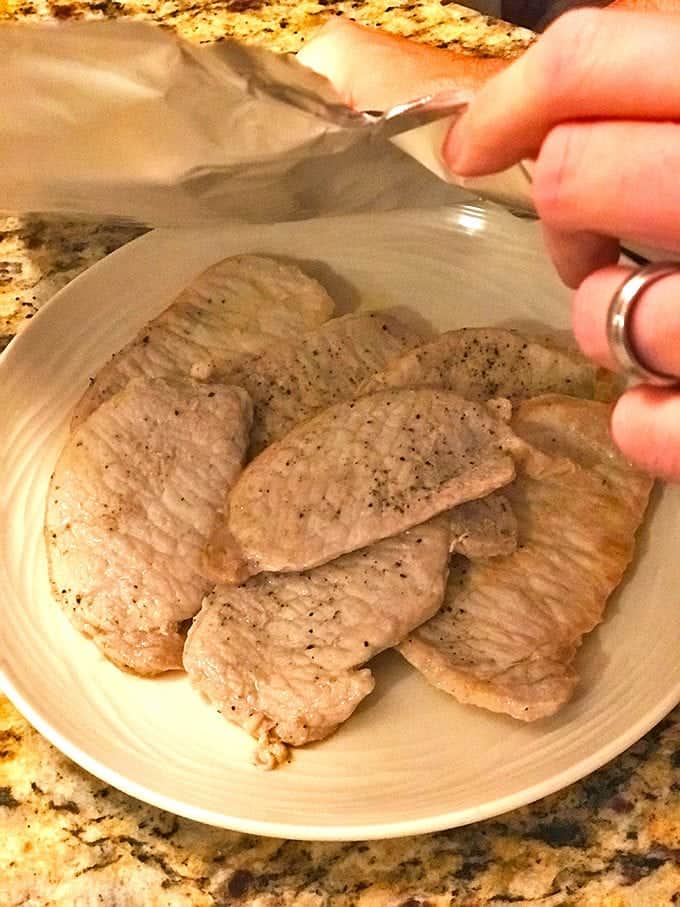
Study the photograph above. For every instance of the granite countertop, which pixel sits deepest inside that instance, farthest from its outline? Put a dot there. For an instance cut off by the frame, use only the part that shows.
(613, 840)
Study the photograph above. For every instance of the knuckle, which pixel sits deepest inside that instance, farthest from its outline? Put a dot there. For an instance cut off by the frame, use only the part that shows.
(556, 176)
(569, 50)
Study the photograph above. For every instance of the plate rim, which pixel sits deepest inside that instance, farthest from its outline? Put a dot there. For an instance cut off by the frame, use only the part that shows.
(328, 833)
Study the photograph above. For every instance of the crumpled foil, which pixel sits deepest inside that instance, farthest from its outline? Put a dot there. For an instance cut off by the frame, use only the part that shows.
(124, 121)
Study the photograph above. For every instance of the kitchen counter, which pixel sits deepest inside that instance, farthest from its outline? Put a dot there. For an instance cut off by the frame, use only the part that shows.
(283, 25)
(612, 840)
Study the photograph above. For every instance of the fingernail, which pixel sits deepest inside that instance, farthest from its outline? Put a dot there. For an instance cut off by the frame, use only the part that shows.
(454, 146)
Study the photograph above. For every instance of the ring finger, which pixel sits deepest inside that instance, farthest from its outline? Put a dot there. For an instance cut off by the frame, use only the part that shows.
(646, 420)
(654, 324)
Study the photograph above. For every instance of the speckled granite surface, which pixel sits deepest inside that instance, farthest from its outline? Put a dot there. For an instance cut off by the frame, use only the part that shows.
(37, 258)
(66, 839)
(283, 25)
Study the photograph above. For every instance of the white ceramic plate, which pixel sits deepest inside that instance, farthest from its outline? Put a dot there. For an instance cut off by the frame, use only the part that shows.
(411, 759)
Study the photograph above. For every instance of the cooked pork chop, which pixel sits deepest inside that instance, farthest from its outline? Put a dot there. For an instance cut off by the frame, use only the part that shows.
(359, 472)
(509, 627)
(289, 382)
(131, 505)
(486, 527)
(480, 363)
(281, 655)
(238, 306)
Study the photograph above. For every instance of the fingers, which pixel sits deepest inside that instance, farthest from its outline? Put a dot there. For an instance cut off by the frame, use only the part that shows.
(596, 180)
(600, 113)
(654, 326)
(613, 178)
(646, 427)
(646, 420)
(584, 66)
(578, 254)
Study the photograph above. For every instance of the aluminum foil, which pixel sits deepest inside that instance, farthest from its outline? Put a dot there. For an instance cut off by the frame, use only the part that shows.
(124, 121)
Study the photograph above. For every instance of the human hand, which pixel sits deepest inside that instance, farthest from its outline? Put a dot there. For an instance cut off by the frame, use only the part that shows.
(596, 103)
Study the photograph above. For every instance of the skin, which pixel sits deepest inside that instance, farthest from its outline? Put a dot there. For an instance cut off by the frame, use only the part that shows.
(596, 104)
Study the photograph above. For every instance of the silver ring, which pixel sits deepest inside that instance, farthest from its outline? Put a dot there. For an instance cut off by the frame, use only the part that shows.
(618, 322)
